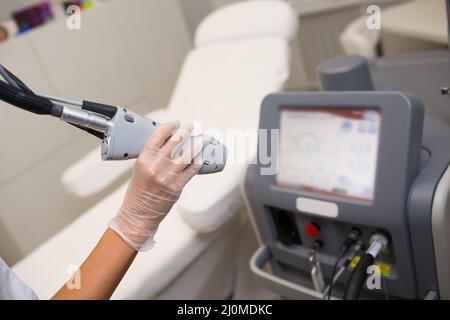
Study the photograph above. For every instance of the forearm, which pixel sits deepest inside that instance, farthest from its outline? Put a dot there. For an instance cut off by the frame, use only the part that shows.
(102, 271)
(156, 184)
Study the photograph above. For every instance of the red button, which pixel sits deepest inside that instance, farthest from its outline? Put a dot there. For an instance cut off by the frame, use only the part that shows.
(312, 230)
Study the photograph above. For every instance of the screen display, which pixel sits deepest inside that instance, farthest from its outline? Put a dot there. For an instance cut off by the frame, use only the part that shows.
(329, 151)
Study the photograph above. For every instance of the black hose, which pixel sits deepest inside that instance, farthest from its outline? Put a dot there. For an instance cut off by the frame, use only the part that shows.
(24, 100)
(333, 274)
(14, 81)
(358, 277)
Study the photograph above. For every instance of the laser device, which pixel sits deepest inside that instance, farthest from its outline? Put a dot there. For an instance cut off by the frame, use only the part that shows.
(361, 186)
(123, 132)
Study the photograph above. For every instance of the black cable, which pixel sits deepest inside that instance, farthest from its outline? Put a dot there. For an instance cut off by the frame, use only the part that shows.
(333, 274)
(93, 132)
(24, 100)
(378, 242)
(351, 239)
(14, 81)
(358, 277)
(16, 93)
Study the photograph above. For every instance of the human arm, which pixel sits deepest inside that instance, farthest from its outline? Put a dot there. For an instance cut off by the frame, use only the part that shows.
(156, 185)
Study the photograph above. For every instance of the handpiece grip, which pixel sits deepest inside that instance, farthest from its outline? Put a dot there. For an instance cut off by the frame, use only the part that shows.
(130, 132)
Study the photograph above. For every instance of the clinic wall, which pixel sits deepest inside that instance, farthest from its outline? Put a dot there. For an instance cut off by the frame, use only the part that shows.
(195, 10)
(133, 63)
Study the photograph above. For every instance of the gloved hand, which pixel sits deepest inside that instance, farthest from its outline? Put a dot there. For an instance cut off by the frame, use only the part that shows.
(156, 185)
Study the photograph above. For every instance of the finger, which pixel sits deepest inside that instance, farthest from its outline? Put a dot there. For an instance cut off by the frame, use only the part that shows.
(186, 159)
(176, 140)
(161, 134)
(191, 171)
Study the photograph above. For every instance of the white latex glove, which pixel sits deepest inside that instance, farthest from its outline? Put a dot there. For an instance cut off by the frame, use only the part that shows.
(156, 185)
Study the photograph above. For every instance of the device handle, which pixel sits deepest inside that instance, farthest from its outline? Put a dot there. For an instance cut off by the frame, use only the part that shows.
(286, 288)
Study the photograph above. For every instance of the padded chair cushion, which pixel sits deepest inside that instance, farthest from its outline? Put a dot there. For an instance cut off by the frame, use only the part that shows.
(222, 87)
(249, 19)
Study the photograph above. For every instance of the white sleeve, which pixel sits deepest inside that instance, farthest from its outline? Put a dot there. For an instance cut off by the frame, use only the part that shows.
(11, 287)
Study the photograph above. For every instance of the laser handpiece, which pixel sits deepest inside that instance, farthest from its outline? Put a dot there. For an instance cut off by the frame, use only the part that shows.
(123, 132)
(126, 133)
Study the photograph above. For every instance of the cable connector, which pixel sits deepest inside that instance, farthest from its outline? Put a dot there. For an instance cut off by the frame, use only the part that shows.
(378, 242)
(356, 247)
(352, 238)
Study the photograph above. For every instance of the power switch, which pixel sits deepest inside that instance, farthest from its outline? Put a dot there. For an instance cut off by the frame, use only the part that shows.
(312, 230)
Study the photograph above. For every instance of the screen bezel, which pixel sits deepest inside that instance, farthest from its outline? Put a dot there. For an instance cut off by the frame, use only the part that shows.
(398, 149)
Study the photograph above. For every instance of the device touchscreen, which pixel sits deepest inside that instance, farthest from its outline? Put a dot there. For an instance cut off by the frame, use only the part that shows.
(329, 151)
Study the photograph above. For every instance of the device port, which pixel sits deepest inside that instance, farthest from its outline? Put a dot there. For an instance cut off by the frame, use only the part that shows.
(286, 227)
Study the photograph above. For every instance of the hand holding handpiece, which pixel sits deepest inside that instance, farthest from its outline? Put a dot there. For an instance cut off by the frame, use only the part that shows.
(123, 132)
(157, 182)
(158, 179)
(168, 157)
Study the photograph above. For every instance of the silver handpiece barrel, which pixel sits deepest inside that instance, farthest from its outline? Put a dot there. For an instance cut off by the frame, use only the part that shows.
(85, 119)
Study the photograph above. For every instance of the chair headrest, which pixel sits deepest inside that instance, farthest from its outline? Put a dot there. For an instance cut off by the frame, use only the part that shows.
(248, 19)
